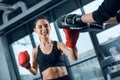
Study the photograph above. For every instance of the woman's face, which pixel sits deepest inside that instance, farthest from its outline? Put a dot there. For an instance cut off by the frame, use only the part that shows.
(42, 28)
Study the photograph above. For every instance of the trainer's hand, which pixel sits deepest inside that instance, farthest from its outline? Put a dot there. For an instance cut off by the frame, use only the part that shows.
(71, 37)
(72, 21)
(24, 59)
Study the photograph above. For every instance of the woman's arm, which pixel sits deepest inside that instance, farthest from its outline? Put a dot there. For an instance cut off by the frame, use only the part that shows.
(34, 68)
(69, 48)
(70, 52)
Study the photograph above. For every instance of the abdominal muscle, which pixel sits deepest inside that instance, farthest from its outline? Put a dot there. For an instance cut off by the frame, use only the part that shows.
(54, 72)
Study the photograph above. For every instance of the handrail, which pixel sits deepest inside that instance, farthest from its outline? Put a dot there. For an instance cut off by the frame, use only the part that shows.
(17, 5)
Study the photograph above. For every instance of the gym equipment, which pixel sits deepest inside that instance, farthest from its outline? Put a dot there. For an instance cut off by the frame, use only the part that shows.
(24, 59)
(71, 37)
(73, 21)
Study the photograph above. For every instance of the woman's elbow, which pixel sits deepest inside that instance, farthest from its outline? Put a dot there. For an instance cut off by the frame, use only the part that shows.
(74, 58)
(34, 74)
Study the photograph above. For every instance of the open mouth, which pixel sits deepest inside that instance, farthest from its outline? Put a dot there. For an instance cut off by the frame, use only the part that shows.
(45, 33)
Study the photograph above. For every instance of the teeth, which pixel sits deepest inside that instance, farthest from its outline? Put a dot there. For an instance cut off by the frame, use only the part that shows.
(44, 33)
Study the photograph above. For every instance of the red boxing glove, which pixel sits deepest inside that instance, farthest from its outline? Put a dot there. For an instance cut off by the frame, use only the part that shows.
(24, 59)
(71, 37)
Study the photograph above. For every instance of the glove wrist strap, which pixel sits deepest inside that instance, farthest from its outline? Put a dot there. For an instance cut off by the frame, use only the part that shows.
(70, 44)
(78, 18)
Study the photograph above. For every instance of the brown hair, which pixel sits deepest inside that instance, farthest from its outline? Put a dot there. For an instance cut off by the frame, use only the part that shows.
(40, 17)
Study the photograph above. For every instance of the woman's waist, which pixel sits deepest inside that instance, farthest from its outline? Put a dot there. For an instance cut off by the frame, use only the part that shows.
(54, 72)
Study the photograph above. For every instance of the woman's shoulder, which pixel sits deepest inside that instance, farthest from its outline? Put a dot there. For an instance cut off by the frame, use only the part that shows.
(34, 51)
(60, 44)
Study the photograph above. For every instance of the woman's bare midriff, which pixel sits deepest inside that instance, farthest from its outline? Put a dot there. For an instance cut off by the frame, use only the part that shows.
(54, 72)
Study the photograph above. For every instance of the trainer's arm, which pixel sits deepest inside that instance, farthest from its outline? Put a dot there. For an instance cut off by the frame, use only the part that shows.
(104, 13)
(88, 18)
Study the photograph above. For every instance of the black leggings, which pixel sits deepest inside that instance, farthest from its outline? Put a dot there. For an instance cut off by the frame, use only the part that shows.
(62, 78)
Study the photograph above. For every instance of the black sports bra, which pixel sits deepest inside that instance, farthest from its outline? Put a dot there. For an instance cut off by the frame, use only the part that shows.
(50, 60)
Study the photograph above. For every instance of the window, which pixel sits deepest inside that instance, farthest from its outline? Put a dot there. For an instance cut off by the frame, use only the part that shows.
(92, 6)
(86, 53)
(91, 70)
(22, 45)
(109, 34)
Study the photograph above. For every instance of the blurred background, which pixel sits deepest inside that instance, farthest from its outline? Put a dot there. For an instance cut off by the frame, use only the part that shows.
(94, 48)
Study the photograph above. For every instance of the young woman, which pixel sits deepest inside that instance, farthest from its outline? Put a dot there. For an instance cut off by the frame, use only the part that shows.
(48, 55)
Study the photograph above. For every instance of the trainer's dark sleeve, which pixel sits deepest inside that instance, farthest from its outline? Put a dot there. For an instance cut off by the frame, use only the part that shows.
(108, 9)
(118, 16)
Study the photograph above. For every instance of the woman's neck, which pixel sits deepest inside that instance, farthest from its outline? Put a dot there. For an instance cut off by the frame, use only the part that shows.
(45, 41)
